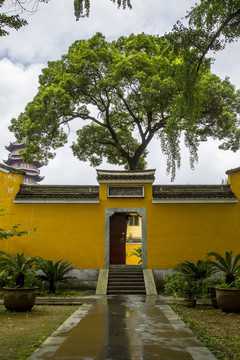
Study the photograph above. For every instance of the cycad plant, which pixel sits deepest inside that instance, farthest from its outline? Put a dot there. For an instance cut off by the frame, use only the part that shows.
(200, 270)
(18, 266)
(55, 272)
(137, 252)
(194, 274)
(228, 264)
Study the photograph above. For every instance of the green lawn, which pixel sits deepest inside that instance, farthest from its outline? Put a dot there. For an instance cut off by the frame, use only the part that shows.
(219, 331)
(22, 333)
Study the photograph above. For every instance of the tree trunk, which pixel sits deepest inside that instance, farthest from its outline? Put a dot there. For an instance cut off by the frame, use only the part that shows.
(52, 287)
(20, 279)
(230, 278)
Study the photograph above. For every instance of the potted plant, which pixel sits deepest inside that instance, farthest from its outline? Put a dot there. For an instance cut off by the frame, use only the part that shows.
(55, 272)
(176, 285)
(227, 292)
(211, 290)
(194, 274)
(17, 267)
(19, 294)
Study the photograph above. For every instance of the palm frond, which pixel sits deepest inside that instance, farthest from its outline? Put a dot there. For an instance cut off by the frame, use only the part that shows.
(55, 272)
(228, 264)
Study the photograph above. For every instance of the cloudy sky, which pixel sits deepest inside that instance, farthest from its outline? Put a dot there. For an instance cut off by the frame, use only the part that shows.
(49, 34)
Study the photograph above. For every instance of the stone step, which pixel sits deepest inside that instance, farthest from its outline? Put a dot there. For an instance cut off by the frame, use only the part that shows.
(126, 291)
(125, 281)
(128, 278)
(126, 272)
(141, 286)
(117, 275)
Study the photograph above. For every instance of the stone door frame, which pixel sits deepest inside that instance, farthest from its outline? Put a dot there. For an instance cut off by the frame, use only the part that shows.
(141, 212)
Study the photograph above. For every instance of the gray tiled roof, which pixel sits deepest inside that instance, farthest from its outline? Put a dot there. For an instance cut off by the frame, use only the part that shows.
(192, 191)
(53, 192)
(121, 176)
(78, 192)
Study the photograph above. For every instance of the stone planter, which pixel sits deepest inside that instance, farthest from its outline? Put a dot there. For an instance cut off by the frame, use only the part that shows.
(228, 299)
(19, 299)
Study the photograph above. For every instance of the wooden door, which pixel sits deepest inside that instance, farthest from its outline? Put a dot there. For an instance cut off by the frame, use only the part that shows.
(118, 231)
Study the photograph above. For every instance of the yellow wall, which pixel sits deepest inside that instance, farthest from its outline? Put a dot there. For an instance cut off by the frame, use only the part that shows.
(76, 232)
(132, 260)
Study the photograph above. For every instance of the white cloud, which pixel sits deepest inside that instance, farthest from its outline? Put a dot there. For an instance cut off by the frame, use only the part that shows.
(17, 88)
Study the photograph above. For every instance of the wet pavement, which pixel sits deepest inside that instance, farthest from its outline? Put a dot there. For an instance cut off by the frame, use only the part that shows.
(126, 327)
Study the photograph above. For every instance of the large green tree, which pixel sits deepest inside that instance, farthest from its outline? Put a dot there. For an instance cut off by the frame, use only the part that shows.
(123, 93)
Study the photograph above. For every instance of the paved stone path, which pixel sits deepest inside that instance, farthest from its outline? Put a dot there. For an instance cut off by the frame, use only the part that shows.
(127, 327)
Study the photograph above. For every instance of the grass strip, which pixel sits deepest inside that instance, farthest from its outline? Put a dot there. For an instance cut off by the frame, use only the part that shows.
(22, 333)
(217, 330)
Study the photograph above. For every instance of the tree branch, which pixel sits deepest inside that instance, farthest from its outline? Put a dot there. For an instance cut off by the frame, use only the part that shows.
(217, 34)
(135, 119)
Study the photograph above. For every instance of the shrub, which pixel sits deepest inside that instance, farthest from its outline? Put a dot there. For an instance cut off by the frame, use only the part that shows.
(55, 272)
(228, 264)
(18, 269)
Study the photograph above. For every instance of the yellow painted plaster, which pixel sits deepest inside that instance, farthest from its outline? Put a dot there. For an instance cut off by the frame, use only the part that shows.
(76, 232)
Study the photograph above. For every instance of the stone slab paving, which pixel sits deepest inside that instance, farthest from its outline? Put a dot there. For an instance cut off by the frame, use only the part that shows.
(126, 327)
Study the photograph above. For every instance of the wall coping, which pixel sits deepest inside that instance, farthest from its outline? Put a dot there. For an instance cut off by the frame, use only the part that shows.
(231, 171)
(119, 176)
(8, 169)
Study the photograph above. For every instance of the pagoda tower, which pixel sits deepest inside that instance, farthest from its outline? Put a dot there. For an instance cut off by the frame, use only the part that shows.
(32, 172)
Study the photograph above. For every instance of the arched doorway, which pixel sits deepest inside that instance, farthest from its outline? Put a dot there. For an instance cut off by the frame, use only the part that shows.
(116, 220)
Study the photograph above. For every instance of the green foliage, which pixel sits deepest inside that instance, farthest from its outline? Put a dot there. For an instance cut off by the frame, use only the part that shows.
(194, 275)
(82, 7)
(17, 267)
(228, 264)
(210, 285)
(178, 285)
(137, 252)
(126, 92)
(10, 21)
(211, 25)
(174, 284)
(55, 272)
(200, 270)
(13, 231)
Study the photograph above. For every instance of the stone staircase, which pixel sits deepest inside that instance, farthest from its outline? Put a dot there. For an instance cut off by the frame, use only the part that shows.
(126, 281)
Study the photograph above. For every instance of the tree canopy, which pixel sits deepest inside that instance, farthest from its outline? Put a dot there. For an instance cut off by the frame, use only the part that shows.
(211, 25)
(124, 93)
